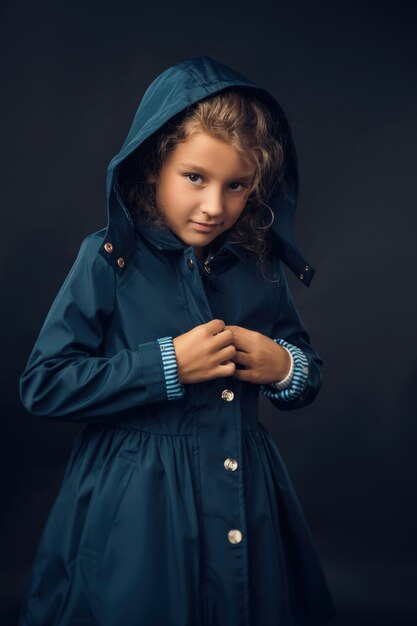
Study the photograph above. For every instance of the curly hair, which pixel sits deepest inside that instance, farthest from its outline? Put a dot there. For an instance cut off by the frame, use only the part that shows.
(238, 116)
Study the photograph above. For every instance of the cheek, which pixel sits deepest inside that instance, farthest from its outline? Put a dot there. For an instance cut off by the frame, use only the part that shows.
(173, 191)
(237, 211)
(165, 195)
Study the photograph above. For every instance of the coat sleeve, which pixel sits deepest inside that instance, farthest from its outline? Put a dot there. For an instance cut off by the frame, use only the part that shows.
(66, 375)
(290, 327)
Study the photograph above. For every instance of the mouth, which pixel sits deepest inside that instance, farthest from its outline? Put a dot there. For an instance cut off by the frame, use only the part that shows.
(206, 227)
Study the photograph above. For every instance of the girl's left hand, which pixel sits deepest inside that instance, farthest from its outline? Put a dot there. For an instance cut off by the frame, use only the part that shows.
(264, 360)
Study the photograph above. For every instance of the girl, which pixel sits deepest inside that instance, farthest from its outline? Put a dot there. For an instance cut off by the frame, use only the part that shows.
(176, 508)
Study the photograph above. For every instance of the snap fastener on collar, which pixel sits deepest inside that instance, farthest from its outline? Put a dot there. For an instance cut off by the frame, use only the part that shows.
(120, 262)
(108, 247)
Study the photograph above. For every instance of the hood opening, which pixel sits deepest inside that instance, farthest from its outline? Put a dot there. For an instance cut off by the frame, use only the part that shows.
(166, 101)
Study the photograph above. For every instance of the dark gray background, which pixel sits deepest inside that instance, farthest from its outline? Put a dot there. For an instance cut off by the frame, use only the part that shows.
(72, 76)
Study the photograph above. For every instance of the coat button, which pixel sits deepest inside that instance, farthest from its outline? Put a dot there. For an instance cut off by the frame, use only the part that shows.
(301, 276)
(120, 262)
(234, 536)
(227, 395)
(306, 269)
(108, 247)
(190, 264)
(231, 465)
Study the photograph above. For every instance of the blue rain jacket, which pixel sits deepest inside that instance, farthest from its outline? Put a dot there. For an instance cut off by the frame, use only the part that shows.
(139, 532)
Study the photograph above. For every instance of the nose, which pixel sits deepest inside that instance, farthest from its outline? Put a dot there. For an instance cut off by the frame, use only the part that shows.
(212, 204)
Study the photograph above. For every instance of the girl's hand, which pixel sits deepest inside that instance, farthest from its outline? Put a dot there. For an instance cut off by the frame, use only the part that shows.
(205, 352)
(264, 360)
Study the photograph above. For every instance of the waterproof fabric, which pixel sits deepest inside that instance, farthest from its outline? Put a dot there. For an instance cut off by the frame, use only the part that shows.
(138, 534)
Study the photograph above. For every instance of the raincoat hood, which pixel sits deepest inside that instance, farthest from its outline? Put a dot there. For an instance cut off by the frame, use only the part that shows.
(171, 92)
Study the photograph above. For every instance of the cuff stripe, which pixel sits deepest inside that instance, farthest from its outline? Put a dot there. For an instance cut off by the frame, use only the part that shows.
(174, 388)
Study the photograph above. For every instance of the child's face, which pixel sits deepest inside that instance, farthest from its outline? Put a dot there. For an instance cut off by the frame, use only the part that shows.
(202, 189)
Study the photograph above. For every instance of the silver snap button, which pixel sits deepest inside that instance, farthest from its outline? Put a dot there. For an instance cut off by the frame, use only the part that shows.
(190, 264)
(108, 247)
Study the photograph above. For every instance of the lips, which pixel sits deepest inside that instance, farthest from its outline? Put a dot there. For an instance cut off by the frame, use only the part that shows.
(204, 226)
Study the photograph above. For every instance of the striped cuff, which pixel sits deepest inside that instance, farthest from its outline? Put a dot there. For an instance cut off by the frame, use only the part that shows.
(174, 388)
(298, 380)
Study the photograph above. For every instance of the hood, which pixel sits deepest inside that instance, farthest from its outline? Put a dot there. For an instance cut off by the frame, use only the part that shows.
(172, 91)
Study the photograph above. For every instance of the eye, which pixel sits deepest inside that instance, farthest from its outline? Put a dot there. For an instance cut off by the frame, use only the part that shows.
(242, 186)
(192, 177)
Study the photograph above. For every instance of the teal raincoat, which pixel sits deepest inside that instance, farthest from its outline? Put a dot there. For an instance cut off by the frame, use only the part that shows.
(139, 534)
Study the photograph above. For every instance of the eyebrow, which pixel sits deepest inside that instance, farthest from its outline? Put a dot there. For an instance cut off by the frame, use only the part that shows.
(192, 166)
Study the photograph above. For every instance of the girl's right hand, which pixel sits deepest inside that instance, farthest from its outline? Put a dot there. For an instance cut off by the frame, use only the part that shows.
(205, 353)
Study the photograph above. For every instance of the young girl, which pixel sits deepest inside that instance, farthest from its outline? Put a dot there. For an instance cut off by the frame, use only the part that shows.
(176, 508)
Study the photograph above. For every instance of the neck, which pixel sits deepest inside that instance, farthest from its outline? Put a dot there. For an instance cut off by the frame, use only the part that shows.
(202, 253)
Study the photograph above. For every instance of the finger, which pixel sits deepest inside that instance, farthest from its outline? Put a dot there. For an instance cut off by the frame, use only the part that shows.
(227, 368)
(243, 358)
(241, 337)
(244, 375)
(216, 326)
(225, 338)
(226, 354)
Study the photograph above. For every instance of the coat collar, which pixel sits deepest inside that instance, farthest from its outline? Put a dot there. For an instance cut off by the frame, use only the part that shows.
(167, 240)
